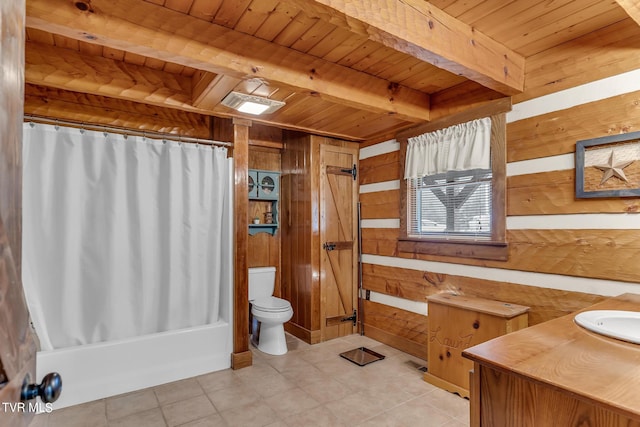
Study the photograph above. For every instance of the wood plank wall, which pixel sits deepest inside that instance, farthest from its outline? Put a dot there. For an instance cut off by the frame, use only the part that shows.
(264, 248)
(300, 235)
(565, 253)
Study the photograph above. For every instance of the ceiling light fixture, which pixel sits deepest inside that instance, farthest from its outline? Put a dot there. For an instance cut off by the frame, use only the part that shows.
(251, 104)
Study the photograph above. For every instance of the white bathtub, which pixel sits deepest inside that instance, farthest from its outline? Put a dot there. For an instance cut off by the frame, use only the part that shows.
(95, 371)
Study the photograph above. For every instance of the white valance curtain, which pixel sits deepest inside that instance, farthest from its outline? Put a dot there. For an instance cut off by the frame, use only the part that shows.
(464, 146)
(122, 236)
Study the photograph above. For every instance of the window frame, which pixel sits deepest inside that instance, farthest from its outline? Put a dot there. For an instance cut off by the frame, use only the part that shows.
(496, 248)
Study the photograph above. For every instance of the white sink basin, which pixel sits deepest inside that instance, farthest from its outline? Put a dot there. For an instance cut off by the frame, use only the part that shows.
(622, 325)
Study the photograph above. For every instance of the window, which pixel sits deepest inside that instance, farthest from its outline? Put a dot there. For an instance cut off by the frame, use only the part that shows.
(459, 213)
(451, 205)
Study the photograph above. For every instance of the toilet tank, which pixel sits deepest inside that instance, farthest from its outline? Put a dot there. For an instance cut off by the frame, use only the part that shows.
(262, 282)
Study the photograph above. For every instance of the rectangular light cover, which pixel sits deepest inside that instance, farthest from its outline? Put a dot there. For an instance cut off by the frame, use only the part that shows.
(252, 108)
(251, 104)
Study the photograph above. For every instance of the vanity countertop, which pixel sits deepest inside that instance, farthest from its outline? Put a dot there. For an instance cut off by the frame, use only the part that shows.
(560, 354)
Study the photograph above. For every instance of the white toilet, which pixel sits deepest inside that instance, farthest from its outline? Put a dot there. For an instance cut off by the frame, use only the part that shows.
(269, 312)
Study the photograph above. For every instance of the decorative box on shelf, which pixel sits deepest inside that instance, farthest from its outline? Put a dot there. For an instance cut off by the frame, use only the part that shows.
(264, 193)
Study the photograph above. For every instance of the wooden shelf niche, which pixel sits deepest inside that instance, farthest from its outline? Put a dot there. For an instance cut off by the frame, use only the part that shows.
(264, 193)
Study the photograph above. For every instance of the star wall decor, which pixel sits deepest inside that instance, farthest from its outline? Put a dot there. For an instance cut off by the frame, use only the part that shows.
(613, 168)
(600, 159)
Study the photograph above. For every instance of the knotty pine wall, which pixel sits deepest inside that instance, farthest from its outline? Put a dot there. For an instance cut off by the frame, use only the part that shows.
(264, 249)
(564, 253)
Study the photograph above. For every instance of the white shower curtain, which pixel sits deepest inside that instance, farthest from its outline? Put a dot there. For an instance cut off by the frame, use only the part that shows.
(121, 235)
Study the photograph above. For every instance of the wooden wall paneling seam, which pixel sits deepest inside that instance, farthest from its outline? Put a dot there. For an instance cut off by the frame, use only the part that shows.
(241, 356)
(396, 327)
(380, 241)
(557, 132)
(553, 193)
(380, 204)
(598, 254)
(415, 285)
(380, 168)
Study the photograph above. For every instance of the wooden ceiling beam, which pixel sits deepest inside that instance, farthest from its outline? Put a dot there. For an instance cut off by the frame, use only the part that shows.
(70, 70)
(157, 32)
(423, 31)
(99, 110)
(209, 89)
(632, 7)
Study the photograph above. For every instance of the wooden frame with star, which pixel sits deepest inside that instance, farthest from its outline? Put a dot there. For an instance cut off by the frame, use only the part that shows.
(608, 166)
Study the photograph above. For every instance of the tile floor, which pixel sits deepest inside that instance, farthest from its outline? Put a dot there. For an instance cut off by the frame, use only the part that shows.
(309, 386)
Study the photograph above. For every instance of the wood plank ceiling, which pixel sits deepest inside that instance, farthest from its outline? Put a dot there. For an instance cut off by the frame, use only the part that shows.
(349, 69)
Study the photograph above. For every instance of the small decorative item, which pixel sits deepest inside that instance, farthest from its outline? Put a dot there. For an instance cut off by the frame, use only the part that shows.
(256, 220)
(268, 217)
(608, 166)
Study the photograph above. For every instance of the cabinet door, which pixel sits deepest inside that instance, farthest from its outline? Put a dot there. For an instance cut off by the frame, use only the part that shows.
(268, 185)
(338, 234)
(253, 184)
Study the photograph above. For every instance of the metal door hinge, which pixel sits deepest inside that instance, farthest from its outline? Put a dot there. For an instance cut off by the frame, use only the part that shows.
(339, 170)
(353, 171)
(353, 318)
(333, 321)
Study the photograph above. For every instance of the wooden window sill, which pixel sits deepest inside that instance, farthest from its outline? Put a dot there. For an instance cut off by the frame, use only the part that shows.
(491, 250)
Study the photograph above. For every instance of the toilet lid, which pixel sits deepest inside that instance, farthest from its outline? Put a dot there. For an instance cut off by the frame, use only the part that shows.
(271, 304)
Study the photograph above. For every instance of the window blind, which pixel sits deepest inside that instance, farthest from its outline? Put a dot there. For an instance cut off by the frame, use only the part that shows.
(451, 205)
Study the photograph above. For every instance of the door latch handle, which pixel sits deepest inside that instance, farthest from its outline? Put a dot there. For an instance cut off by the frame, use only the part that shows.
(329, 246)
(49, 389)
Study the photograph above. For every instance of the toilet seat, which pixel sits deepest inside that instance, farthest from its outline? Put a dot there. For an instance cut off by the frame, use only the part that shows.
(271, 305)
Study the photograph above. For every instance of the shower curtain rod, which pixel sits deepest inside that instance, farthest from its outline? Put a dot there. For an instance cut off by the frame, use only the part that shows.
(124, 131)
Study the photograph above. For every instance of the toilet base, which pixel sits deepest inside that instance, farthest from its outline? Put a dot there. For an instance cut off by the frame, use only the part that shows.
(269, 338)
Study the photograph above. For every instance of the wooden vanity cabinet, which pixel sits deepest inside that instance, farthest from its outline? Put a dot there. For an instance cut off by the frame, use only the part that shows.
(456, 322)
(557, 374)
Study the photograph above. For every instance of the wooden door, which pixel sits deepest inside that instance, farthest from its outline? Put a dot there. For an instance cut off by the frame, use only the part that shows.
(17, 343)
(339, 237)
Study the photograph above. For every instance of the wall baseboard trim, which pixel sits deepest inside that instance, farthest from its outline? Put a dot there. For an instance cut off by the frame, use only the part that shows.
(241, 360)
(306, 335)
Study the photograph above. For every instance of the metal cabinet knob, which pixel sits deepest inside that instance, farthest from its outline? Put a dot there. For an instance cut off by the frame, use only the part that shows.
(49, 389)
